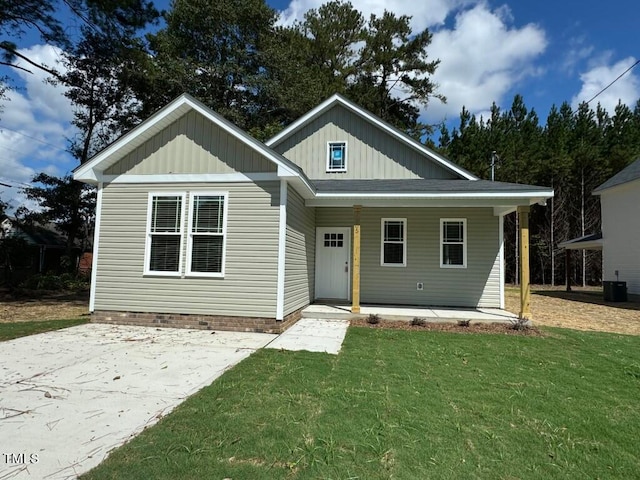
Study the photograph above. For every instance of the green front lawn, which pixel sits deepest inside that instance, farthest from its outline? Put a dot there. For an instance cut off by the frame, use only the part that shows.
(9, 331)
(408, 405)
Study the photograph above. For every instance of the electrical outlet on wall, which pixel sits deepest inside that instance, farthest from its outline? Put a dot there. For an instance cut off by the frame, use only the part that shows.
(419, 286)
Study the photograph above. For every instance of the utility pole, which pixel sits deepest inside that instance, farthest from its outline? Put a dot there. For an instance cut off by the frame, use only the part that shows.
(495, 163)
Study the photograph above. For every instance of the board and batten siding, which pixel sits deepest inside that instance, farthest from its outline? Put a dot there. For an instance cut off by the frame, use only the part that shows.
(621, 235)
(300, 253)
(250, 282)
(371, 153)
(191, 144)
(478, 285)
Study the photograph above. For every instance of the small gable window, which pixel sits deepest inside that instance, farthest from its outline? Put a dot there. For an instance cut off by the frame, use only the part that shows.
(337, 160)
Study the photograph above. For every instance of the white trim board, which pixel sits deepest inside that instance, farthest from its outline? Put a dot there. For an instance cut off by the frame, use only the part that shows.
(193, 178)
(96, 249)
(282, 243)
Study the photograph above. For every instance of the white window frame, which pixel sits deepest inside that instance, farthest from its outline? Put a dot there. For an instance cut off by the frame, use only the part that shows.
(404, 242)
(190, 235)
(148, 234)
(464, 242)
(334, 170)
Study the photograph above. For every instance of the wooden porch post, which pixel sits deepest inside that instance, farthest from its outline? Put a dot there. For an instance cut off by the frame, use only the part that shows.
(525, 289)
(355, 267)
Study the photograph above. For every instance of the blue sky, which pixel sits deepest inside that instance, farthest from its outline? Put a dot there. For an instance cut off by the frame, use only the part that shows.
(549, 51)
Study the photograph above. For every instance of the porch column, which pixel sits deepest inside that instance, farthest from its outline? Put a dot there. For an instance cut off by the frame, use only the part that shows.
(355, 267)
(525, 289)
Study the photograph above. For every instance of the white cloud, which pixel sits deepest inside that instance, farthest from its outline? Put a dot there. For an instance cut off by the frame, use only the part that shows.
(34, 125)
(578, 51)
(601, 74)
(482, 57)
(424, 14)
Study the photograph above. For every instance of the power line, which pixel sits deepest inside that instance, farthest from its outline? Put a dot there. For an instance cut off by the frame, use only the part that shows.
(617, 78)
(33, 138)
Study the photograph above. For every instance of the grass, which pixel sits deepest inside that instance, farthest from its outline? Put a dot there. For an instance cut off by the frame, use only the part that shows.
(406, 405)
(9, 331)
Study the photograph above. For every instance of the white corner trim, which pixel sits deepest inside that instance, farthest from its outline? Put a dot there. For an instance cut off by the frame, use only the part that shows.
(501, 255)
(282, 239)
(96, 245)
(193, 178)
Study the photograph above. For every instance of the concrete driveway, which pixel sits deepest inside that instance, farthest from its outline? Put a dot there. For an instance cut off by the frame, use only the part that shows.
(69, 397)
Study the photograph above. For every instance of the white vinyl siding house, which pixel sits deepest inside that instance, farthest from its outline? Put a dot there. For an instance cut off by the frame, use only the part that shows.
(198, 224)
(620, 209)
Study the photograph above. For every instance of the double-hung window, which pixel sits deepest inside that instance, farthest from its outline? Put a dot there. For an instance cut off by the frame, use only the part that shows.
(337, 159)
(164, 233)
(453, 243)
(393, 251)
(206, 235)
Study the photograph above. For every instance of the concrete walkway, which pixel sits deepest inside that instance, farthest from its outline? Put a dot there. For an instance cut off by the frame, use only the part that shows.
(313, 335)
(400, 313)
(69, 397)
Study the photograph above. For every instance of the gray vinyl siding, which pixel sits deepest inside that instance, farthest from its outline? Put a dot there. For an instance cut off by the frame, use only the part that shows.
(192, 144)
(478, 285)
(249, 285)
(371, 153)
(300, 253)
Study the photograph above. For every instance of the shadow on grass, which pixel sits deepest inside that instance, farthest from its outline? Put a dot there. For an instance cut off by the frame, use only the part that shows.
(593, 297)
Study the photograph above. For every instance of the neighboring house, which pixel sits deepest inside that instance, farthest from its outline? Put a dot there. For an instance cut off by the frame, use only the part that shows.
(199, 224)
(39, 250)
(620, 236)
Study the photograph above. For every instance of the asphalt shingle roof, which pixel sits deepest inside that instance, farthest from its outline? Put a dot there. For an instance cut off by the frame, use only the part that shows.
(628, 174)
(422, 186)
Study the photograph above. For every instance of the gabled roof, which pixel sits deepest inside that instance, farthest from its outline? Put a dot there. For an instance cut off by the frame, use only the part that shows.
(35, 234)
(337, 99)
(91, 171)
(626, 175)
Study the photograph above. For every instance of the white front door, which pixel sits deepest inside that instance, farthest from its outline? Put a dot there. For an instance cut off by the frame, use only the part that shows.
(333, 251)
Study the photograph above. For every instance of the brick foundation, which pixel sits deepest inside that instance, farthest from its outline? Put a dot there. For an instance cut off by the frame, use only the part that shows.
(201, 322)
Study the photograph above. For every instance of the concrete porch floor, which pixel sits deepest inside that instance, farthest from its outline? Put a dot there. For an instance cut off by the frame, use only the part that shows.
(407, 313)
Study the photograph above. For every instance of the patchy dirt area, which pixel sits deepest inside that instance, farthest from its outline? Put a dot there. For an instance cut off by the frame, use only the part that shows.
(39, 306)
(580, 309)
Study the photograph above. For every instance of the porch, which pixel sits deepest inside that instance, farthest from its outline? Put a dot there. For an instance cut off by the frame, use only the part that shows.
(340, 311)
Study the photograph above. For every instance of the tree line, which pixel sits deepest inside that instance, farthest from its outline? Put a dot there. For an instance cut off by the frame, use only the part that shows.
(126, 59)
(574, 151)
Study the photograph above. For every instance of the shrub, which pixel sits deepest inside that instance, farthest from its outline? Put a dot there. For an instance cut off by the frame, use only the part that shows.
(418, 322)
(373, 319)
(464, 323)
(49, 281)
